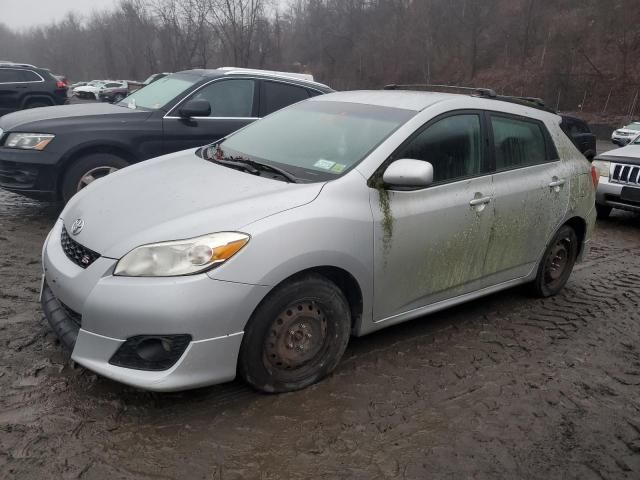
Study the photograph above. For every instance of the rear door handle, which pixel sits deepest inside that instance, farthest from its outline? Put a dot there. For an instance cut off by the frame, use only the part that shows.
(476, 202)
(557, 184)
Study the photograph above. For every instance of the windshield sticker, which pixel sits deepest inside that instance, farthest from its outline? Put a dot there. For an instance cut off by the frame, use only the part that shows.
(338, 168)
(324, 164)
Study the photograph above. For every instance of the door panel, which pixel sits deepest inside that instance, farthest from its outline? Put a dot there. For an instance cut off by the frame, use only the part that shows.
(531, 197)
(431, 244)
(527, 212)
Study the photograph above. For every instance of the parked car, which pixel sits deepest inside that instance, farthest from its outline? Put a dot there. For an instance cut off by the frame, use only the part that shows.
(55, 152)
(113, 92)
(89, 90)
(264, 252)
(624, 135)
(24, 86)
(73, 86)
(619, 186)
(579, 131)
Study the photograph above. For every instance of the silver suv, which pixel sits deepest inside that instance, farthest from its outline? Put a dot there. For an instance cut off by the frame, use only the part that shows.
(619, 185)
(341, 215)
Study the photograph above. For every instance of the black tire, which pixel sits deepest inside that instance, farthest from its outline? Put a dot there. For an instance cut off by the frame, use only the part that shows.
(296, 336)
(118, 97)
(603, 211)
(100, 163)
(557, 263)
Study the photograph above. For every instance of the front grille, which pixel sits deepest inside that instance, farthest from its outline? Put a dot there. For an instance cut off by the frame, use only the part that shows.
(81, 256)
(625, 174)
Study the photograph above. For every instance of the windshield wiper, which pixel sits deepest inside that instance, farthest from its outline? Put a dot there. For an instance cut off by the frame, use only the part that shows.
(216, 154)
(266, 168)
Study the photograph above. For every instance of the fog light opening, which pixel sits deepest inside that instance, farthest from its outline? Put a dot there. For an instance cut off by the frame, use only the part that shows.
(151, 352)
(154, 349)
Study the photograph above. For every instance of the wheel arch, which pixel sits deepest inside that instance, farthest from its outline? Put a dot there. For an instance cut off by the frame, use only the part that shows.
(579, 226)
(80, 151)
(342, 278)
(36, 97)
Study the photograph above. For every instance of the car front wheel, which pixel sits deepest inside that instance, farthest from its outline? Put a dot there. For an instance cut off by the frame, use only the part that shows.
(557, 263)
(296, 337)
(87, 170)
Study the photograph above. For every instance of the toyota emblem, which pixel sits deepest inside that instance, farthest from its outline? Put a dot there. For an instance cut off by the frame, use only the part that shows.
(77, 226)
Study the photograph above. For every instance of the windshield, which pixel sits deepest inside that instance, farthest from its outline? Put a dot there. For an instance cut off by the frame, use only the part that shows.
(314, 140)
(161, 92)
(633, 126)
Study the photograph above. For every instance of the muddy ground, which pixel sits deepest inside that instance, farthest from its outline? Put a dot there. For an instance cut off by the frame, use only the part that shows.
(506, 387)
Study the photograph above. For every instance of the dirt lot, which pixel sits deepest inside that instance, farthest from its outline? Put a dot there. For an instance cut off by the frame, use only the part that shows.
(507, 387)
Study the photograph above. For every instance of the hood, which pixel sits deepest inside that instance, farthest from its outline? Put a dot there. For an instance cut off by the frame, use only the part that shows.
(175, 197)
(46, 118)
(628, 131)
(628, 154)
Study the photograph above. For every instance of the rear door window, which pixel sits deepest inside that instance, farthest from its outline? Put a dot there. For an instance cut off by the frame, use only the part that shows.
(518, 143)
(275, 96)
(10, 75)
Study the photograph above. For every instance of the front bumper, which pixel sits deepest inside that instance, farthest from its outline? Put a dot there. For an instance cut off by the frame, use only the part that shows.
(29, 172)
(608, 195)
(114, 309)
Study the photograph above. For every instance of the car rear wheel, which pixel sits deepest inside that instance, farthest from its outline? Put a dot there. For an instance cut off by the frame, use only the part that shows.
(603, 211)
(296, 337)
(118, 97)
(87, 170)
(557, 263)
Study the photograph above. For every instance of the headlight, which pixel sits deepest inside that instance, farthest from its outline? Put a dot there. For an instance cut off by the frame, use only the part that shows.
(602, 167)
(181, 257)
(28, 141)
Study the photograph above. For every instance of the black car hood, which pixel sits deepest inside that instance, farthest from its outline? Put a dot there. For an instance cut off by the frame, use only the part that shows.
(47, 118)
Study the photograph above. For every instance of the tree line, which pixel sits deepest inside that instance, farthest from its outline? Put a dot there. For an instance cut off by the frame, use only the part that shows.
(576, 54)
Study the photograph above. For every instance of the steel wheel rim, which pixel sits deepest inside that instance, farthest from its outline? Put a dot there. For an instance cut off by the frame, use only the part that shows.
(93, 175)
(296, 338)
(557, 261)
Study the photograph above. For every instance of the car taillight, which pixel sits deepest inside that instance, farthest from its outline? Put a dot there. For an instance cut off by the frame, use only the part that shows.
(595, 176)
(61, 84)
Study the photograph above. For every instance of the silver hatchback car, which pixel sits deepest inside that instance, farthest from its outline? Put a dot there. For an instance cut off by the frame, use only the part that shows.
(341, 215)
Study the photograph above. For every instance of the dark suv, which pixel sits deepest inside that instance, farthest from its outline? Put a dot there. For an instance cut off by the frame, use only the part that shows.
(51, 153)
(580, 133)
(25, 86)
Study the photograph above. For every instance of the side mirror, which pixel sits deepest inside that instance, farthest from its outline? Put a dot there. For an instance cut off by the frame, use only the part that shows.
(195, 108)
(409, 173)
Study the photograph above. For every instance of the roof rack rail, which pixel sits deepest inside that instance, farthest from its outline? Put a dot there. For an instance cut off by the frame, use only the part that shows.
(480, 92)
(532, 102)
(14, 64)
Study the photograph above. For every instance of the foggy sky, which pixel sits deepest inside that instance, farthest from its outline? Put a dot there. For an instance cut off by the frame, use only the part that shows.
(19, 14)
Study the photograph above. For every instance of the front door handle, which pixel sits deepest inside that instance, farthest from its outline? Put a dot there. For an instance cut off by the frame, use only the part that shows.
(557, 184)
